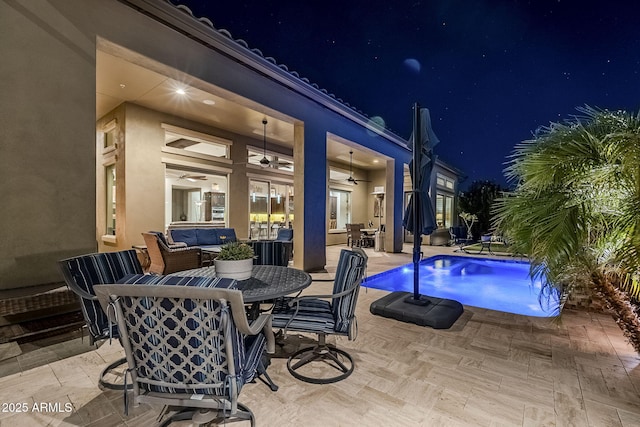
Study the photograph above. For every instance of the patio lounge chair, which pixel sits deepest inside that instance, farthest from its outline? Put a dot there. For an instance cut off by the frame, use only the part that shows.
(81, 273)
(167, 259)
(315, 314)
(188, 347)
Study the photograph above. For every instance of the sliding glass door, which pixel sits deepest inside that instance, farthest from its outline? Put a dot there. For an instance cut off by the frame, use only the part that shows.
(270, 208)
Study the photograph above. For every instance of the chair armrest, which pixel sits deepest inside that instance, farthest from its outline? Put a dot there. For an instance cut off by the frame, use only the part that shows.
(178, 245)
(294, 301)
(261, 324)
(84, 294)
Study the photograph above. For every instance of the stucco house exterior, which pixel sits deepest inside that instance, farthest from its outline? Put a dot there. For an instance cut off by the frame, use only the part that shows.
(121, 117)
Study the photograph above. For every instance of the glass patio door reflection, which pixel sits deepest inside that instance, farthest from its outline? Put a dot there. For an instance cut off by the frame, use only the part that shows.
(270, 208)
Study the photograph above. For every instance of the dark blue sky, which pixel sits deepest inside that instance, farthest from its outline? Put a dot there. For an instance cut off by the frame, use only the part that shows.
(490, 71)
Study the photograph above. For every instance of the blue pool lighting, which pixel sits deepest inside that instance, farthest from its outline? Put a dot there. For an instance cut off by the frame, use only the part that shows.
(494, 284)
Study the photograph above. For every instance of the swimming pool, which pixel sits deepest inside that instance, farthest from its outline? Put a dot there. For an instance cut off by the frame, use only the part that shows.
(494, 284)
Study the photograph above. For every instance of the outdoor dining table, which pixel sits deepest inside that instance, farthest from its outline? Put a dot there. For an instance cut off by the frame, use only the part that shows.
(267, 282)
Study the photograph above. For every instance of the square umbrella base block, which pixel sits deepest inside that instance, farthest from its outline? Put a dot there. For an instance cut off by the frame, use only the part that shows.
(438, 313)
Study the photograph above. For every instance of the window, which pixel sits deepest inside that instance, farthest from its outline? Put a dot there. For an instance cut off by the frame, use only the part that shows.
(109, 133)
(195, 144)
(444, 181)
(110, 186)
(339, 209)
(444, 210)
(195, 196)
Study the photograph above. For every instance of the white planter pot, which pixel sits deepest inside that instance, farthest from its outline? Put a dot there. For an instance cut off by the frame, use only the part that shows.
(239, 269)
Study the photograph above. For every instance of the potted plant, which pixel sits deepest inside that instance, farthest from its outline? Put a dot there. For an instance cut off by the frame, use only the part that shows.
(235, 261)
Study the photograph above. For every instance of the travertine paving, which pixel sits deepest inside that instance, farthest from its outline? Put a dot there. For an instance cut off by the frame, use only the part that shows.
(490, 369)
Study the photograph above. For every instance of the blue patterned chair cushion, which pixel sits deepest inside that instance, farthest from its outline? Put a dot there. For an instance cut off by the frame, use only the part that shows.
(321, 316)
(314, 315)
(203, 282)
(172, 341)
(83, 272)
(349, 273)
(247, 350)
(270, 252)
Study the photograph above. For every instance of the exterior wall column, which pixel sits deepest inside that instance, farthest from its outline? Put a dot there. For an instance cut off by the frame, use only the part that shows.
(394, 202)
(310, 197)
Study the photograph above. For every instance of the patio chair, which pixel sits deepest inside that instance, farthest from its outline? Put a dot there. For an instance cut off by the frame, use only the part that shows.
(271, 252)
(188, 347)
(285, 235)
(315, 314)
(359, 238)
(167, 259)
(81, 273)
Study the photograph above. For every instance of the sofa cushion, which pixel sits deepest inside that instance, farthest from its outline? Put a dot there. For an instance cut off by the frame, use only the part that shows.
(225, 235)
(186, 235)
(207, 236)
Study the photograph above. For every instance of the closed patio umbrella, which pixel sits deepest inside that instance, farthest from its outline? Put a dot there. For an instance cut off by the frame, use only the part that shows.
(419, 217)
(423, 310)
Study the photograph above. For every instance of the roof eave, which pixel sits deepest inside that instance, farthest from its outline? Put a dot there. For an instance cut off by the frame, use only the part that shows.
(203, 31)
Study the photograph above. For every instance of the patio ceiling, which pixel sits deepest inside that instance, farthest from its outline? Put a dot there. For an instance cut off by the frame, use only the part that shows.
(155, 86)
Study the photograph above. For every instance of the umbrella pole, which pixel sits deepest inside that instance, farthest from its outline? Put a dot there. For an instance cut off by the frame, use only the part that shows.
(417, 232)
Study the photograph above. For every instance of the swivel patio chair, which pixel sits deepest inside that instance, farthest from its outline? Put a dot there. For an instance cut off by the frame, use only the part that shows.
(188, 347)
(167, 259)
(81, 273)
(315, 314)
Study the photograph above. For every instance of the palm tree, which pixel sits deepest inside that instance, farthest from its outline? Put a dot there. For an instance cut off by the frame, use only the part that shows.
(478, 199)
(575, 209)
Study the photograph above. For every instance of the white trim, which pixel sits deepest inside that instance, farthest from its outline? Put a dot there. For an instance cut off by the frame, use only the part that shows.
(109, 160)
(110, 125)
(196, 136)
(271, 179)
(268, 170)
(200, 166)
(193, 154)
(108, 238)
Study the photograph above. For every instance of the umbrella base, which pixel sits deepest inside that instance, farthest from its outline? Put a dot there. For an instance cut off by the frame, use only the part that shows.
(438, 313)
(422, 300)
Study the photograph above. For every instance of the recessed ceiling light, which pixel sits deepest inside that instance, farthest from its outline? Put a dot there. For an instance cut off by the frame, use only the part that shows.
(375, 160)
(180, 91)
(209, 102)
(122, 85)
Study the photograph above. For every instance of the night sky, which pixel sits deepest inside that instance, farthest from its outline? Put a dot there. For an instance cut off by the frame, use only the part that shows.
(491, 72)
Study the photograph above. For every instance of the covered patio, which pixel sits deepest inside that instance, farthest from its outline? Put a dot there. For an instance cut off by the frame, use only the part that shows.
(491, 368)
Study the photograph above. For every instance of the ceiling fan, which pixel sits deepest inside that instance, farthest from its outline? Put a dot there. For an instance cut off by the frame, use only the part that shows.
(351, 178)
(192, 178)
(264, 162)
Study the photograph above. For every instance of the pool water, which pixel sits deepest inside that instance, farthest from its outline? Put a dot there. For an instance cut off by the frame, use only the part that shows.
(487, 283)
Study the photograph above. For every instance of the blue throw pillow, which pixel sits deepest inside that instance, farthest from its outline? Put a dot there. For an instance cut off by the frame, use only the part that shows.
(207, 236)
(226, 235)
(186, 235)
